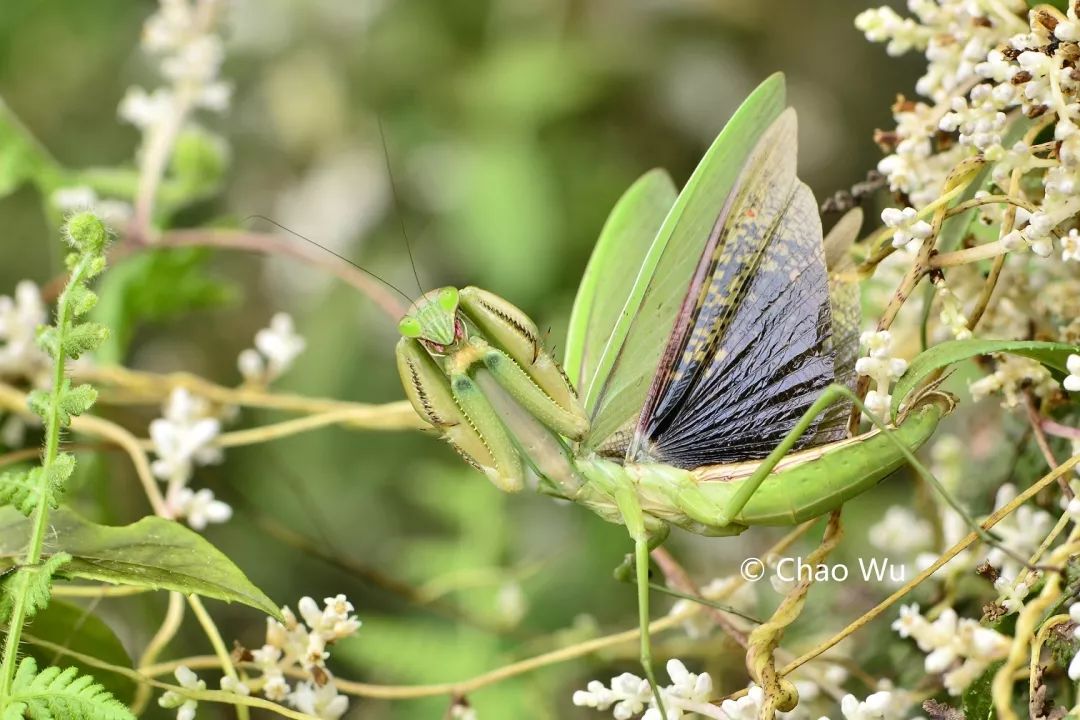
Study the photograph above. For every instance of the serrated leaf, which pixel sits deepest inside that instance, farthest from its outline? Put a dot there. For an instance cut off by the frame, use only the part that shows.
(79, 630)
(1053, 355)
(153, 553)
(76, 400)
(54, 693)
(38, 402)
(57, 474)
(84, 338)
(31, 583)
(21, 489)
(153, 286)
(82, 299)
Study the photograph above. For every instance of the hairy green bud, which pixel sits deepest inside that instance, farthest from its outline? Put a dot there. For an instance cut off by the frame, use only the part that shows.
(86, 233)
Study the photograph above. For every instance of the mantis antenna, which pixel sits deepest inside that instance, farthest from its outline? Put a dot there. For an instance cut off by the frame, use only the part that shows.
(397, 206)
(339, 256)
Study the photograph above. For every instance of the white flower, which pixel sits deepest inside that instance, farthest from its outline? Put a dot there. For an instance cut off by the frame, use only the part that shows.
(958, 647)
(185, 707)
(1072, 382)
(881, 367)
(74, 198)
(629, 695)
(113, 213)
(199, 508)
(233, 685)
(145, 110)
(321, 701)
(1021, 532)
(462, 711)
(184, 437)
(1010, 596)
(874, 707)
(746, 707)
(1070, 244)
(906, 225)
(276, 347)
(20, 317)
(900, 530)
(1011, 376)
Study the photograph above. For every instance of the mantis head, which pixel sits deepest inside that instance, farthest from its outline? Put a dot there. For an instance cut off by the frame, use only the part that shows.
(434, 321)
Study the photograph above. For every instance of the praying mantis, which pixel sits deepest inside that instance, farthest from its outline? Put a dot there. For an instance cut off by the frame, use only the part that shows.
(705, 381)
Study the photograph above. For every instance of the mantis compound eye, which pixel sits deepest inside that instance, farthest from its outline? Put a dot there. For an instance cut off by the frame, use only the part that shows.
(448, 299)
(410, 327)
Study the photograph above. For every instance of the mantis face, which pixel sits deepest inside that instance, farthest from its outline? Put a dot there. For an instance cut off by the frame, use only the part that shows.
(433, 320)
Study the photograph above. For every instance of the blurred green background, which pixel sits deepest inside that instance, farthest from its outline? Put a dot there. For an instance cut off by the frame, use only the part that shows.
(511, 127)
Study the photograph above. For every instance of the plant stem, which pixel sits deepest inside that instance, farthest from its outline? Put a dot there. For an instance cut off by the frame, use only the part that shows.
(41, 512)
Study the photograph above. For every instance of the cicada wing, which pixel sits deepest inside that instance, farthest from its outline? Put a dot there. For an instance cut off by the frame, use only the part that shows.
(609, 277)
(634, 345)
(752, 347)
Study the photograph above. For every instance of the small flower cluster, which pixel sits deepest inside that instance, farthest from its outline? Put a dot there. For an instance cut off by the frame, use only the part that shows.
(184, 705)
(20, 317)
(76, 198)
(181, 33)
(1011, 377)
(628, 695)
(959, 648)
(276, 348)
(304, 645)
(182, 439)
(882, 368)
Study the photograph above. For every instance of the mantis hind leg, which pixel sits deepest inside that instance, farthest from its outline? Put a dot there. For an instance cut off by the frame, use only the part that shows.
(626, 498)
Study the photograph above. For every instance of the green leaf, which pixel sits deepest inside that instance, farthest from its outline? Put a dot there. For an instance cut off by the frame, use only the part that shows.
(76, 400)
(977, 701)
(21, 489)
(153, 553)
(84, 338)
(32, 583)
(1054, 355)
(153, 286)
(22, 158)
(78, 630)
(54, 693)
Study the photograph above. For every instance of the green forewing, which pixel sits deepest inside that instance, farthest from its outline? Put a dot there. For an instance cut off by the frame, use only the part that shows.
(609, 276)
(633, 346)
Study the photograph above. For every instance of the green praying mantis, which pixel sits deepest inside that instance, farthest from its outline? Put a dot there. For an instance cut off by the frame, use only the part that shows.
(705, 382)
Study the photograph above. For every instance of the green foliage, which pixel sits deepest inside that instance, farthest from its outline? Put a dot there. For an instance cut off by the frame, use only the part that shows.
(80, 631)
(1053, 355)
(55, 694)
(154, 286)
(153, 553)
(22, 159)
(86, 234)
(978, 704)
(198, 164)
(32, 582)
(22, 490)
